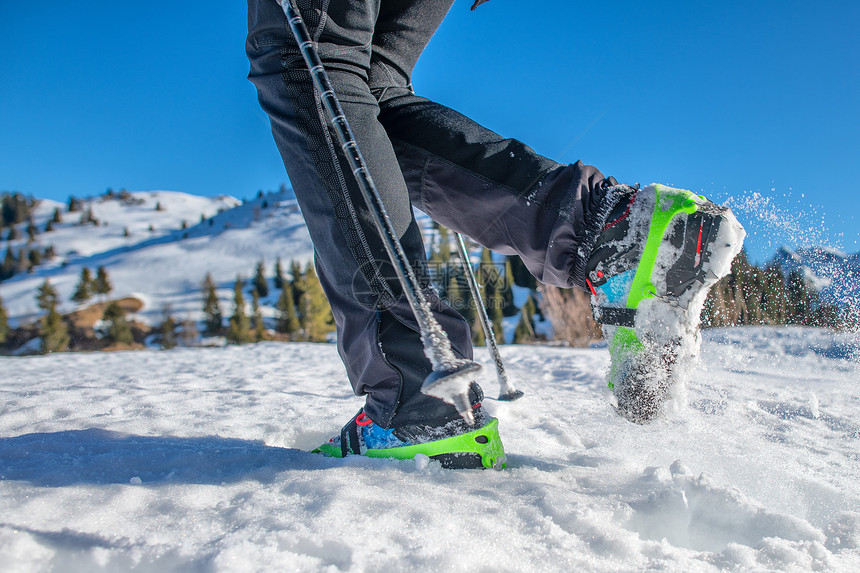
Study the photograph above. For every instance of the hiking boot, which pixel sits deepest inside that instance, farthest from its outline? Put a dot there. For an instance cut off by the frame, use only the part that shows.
(659, 252)
(455, 444)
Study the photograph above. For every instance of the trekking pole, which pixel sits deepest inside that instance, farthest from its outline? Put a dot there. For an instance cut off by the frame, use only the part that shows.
(507, 391)
(451, 376)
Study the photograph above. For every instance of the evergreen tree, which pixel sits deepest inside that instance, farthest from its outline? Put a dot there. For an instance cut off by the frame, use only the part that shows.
(524, 333)
(455, 298)
(444, 244)
(213, 316)
(279, 274)
(47, 296)
(239, 328)
(35, 258)
(493, 299)
(801, 305)
(288, 319)
(23, 264)
(4, 323)
(506, 291)
(775, 301)
(119, 330)
(7, 268)
(102, 284)
(261, 285)
(74, 204)
(477, 330)
(88, 217)
(52, 327)
(314, 311)
(257, 318)
(54, 333)
(296, 280)
(84, 290)
(32, 231)
(167, 329)
(494, 313)
(15, 208)
(57, 216)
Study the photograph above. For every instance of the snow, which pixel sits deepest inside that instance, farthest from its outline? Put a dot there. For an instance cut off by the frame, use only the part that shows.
(194, 459)
(165, 266)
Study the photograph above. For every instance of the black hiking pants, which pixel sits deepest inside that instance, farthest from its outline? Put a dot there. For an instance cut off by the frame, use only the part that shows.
(496, 191)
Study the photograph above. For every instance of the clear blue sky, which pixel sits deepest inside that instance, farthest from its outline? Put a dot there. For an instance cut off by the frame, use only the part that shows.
(727, 99)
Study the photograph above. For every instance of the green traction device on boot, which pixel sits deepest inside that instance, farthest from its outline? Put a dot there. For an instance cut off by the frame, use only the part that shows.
(480, 448)
(669, 203)
(658, 254)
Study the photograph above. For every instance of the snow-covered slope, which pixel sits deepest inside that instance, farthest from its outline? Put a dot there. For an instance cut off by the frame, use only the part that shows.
(194, 459)
(149, 254)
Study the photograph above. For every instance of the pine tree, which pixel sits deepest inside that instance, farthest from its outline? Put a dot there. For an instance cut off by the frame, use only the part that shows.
(239, 328)
(54, 333)
(524, 332)
(7, 269)
(32, 231)
(74, 204)
(35, 258)
(102, 285)
(296, 280)
(52, 327)
(213, 316)
(493, 300)
(119, 330)
(257, 318)
(800, 309)
(454, 297)
(15, 208)
(167, 329)
(4, 322)
(444, 244)
(506, 290)
(288, 320)
(477, 330)
(314, 311)
(47, 296)
(84, 290)
(23, 264)
(57, 216)
(261, 285)
(279, 274)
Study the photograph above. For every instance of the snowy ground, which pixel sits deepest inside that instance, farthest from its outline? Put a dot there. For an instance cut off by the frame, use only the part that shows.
(193, 460)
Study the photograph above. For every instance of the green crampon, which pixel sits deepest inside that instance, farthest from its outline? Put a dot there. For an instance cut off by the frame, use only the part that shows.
(669, 203)
(481, 448)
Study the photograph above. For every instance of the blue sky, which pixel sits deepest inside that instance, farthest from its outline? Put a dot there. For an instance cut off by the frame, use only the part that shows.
(728, 99)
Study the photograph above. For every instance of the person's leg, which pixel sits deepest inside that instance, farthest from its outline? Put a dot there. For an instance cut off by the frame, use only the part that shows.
(378, 338)
(497, 191)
